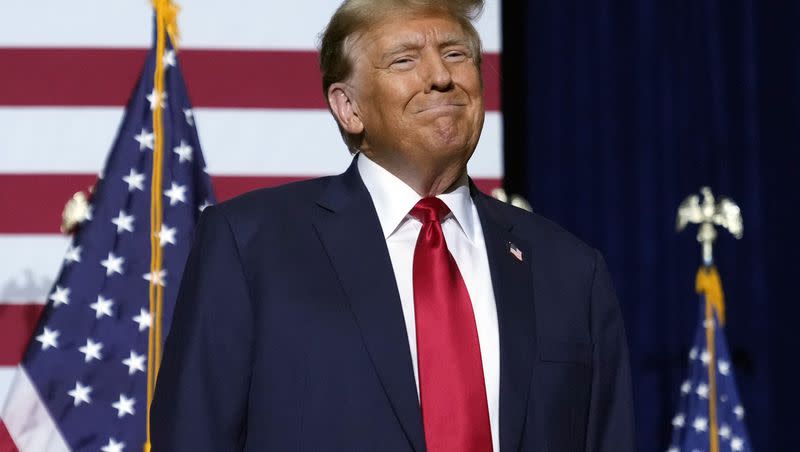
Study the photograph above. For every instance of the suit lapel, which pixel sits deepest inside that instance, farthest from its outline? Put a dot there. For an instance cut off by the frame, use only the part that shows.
(350, 231)
(513, 289)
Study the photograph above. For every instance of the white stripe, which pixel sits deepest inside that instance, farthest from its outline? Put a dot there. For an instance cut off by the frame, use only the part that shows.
(27, 419)
(29, 275)
(273, 142)
(256, 24)
(6, 377)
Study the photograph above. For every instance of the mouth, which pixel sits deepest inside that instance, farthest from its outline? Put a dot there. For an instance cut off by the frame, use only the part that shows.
(442, 108)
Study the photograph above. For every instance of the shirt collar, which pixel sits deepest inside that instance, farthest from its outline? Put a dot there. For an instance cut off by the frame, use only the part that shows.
(393, 198)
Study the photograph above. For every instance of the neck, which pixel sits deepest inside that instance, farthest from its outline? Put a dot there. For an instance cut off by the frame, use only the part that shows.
(426, 180)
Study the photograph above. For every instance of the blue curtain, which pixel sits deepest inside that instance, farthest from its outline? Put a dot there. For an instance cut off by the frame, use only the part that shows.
(615, 111)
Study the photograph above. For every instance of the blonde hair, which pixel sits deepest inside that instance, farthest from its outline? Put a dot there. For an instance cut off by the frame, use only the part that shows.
(355, 16)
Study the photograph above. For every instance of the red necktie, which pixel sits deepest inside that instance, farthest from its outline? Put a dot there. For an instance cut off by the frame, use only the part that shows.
(455, 414)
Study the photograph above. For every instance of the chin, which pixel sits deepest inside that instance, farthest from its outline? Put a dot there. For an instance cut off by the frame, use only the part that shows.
(453, 132)
(451, 149)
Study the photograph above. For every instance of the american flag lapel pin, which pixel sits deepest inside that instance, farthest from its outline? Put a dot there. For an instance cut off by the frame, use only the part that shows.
(516, 252)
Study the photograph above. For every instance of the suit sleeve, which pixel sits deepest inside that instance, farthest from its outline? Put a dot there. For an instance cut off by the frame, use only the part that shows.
(611, 424)
(201, 393)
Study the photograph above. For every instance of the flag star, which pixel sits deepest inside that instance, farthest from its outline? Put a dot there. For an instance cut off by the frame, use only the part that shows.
(102, 307)
(739, 412)
(73, 254)
(134, 180)
(145, 139)
(673, 449)
(134, 362)
(176, 194)
(48, 338)
(189, 114)
(169, 58)
(167, 235)
(124, 222)
(113, 264)
(702, 391)
(160, 278)
(91, 350)
(737, 444)
(724, 367)
(700, 424)
(124, 405)
(686, 387)
(144, 319)
(679, 420)
(705, 357)
(80, 394)
(203, 206)
(724, 431)
(113, 446)
(60, 296)
(156, 98)
(184, 151)
(693, 353)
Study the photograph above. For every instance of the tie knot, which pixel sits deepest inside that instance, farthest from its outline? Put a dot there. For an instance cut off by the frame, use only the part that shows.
(430, 209)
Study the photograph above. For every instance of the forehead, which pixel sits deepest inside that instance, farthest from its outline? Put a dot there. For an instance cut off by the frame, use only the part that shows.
(412, 31)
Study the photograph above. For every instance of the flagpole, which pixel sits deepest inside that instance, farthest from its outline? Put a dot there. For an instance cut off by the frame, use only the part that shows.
(708, 283)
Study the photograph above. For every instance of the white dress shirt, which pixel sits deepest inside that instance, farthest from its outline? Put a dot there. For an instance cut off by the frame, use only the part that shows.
(393, 200)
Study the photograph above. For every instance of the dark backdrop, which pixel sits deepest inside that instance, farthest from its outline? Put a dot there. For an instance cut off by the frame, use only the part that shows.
(617, 110)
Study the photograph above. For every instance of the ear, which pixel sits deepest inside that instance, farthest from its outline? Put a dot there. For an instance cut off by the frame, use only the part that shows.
(344, 108)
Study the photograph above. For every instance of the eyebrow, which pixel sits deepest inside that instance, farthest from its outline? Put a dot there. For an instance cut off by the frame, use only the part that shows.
(414, 43)
(407, 44)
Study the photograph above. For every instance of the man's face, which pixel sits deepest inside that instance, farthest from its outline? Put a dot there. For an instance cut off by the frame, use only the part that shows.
(418, 93)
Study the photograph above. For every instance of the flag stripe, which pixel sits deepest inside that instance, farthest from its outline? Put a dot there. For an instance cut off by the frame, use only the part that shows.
(253, 142)
(215, 78)
(51, 192)
(6, 443)
(249, 24)
(17, 322)
(35, 431)
(29, 276)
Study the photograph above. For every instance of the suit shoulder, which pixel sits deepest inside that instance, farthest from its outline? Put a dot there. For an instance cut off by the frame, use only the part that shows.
(266, 202)
(270, 212)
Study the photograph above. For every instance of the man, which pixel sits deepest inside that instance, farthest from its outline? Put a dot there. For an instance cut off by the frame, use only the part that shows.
(393, 307)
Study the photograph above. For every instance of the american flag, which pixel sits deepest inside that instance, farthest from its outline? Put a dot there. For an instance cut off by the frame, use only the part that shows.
(251, 69)
(82, 384)
(694, 426)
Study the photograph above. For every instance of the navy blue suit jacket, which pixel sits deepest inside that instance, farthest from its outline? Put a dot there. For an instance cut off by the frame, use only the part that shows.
(288, 334)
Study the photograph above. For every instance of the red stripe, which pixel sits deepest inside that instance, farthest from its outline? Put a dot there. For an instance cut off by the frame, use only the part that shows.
(33, 203)
(6, 443)
(215, 78)
(17, 322)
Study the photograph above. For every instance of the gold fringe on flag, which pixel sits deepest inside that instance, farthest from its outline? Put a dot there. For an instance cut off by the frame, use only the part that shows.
(166, 22)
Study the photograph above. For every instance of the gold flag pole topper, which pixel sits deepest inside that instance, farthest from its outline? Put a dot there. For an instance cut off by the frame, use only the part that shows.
(709, 214)
(166, 23)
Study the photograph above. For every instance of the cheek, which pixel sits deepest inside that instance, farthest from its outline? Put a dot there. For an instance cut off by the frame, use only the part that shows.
(468, 76)
(391, 103)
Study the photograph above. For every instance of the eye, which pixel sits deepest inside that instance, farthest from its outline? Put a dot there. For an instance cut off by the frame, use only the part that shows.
(455, 55)
(403, 62)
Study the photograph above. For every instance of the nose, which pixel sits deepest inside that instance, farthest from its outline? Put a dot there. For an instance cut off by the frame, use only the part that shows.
(437, 73)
